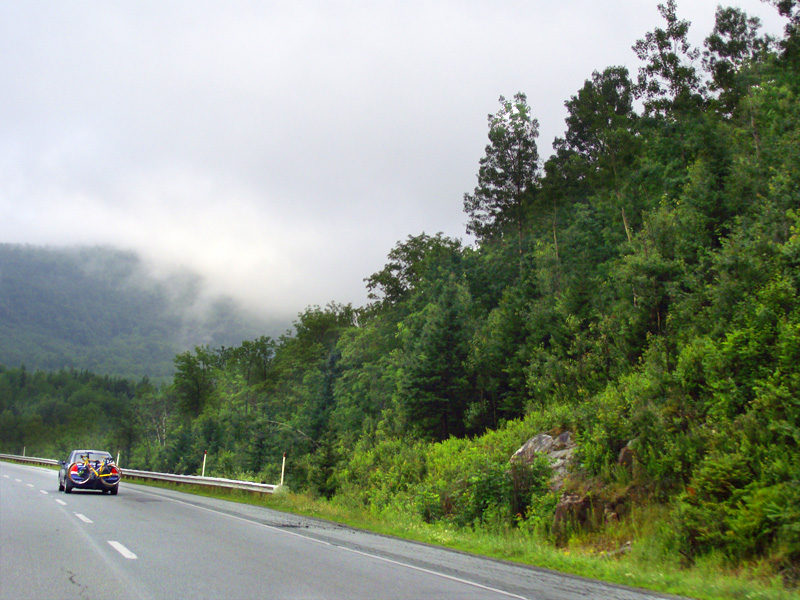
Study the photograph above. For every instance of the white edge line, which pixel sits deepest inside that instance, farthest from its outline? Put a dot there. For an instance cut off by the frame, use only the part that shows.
(324, 543)
(122, 550)
(437, 573)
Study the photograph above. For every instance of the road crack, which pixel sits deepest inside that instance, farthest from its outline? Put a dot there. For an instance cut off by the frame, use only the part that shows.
(82, 589)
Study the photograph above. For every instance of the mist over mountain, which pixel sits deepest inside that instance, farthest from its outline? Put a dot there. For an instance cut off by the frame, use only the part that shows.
(102, 309)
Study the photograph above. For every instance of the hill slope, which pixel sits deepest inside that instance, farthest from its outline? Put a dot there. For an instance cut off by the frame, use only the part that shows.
(98, 309)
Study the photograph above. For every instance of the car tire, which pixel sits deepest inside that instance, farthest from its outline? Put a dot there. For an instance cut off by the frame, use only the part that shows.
(67, 487)
(114, 490)
(60, 486)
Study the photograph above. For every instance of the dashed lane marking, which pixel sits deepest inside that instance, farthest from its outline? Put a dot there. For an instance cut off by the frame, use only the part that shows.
(45, 492)
(84, 518)
(122, 550)
(61, 502)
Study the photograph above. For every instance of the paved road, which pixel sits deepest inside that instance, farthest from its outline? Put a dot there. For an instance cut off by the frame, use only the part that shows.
(159, 544)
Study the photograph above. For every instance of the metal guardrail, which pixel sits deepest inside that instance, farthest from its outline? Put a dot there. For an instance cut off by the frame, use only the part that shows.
(234, 484)
(29, 459)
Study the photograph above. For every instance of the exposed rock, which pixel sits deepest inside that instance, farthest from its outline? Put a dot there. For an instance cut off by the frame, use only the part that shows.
(575, 510)
(572, 508)
(560, 450)
(626, 457)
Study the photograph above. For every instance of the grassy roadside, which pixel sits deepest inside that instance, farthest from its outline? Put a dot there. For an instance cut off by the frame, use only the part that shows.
(640, 565)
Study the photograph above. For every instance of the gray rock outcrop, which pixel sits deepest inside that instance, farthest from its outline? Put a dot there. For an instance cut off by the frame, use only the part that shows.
(559, 450)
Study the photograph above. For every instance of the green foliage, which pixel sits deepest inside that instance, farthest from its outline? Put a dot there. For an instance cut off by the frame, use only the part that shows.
(725, 508)
(194, 380)
(498, 359)
(433, 391)
(641, 291)
(668, 81)
(472, 482)
(507, 172)
(459, 481)
(412, 262)
(381, 472)
(49, 414)
(733, 43)
(600, 140)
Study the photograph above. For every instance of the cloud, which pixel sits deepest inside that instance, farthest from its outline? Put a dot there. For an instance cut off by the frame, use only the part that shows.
(279, 149)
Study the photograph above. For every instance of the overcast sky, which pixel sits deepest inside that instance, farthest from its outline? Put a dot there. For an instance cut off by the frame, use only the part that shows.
(281, 149)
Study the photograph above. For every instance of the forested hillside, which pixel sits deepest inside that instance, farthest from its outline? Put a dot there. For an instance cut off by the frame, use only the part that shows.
(97, 309)
(639, 289)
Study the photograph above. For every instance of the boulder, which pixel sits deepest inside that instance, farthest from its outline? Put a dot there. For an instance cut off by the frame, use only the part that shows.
(560, 450)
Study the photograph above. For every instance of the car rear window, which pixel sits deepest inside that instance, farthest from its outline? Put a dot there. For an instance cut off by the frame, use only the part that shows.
(93, 456)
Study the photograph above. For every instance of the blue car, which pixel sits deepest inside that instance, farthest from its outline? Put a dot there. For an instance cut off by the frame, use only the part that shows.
(89, 470)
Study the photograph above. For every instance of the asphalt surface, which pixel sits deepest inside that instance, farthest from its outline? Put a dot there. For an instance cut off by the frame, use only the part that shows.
(160, 544)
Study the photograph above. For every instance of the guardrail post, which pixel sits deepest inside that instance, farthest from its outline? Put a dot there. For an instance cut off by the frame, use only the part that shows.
(283, 468)
(204, 462)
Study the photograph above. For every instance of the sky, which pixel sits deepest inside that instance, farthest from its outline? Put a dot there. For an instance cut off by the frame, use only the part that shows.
(282, 149)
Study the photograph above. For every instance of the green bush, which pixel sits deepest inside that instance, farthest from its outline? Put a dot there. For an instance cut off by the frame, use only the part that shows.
(711, 501)
(378, 471)
(473, 481)
(725, 508)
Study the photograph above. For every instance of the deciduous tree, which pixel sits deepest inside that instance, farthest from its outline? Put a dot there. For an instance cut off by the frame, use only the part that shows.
(733, 43)
(194, 381)
(668, 82)
(507, 174)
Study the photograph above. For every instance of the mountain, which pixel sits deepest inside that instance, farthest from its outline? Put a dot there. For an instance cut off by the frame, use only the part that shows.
(98, 308)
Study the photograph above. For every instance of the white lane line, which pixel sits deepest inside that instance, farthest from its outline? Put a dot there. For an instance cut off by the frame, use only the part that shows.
(61, 502)
(366, 554)
(45, 492)
(18, 480)
(436, 573)
(122, 550)
(6, 477)
(30, 485)
(83, 518)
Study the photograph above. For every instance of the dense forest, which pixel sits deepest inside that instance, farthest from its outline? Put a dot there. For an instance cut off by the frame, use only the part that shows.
(638, 288)
(98, 309)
